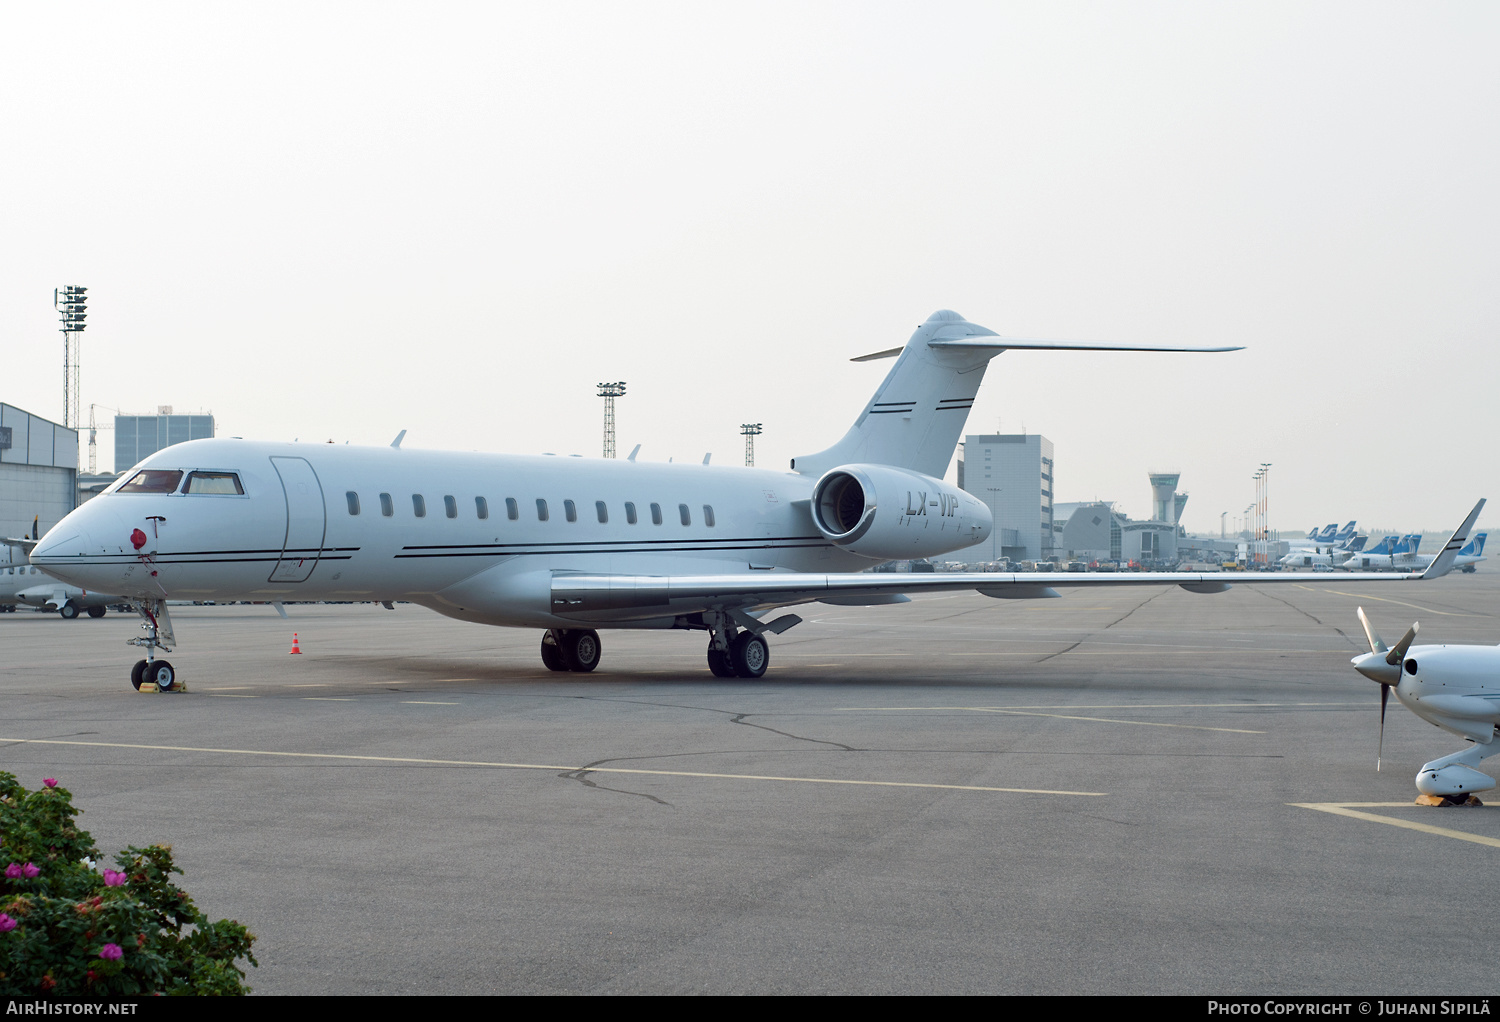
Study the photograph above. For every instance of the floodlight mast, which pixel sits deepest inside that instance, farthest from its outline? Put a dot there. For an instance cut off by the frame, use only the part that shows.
(71, 303)
(751, 430)
(610, 391)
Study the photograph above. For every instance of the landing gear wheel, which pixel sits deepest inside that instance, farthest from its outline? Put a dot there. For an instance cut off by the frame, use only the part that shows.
(718, 662)
(580, 649)
(96, 612)
(68, 610)
(136, 672)
(161, 674)
(749, 655)
(552, 658)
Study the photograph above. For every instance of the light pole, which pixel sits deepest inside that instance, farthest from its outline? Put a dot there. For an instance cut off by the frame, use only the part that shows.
(71, 303)
(610, 391)
(751, 430)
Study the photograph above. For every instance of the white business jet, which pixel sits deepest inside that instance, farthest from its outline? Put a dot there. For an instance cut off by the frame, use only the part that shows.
(1455, 687)
(571, 545)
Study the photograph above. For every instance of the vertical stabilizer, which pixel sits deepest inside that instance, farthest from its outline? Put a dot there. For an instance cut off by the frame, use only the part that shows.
(918, 412)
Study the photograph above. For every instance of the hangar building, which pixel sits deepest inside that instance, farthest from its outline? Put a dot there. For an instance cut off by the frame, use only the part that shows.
(38, 471)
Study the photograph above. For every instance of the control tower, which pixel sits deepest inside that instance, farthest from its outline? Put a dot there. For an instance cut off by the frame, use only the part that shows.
(1163, 496)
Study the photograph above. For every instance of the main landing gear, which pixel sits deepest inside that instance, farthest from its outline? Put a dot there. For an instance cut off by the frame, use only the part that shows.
(158, 629)
(733, 653)
(569, 649)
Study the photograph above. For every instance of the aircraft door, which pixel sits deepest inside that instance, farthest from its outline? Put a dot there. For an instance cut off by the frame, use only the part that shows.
(306, 520)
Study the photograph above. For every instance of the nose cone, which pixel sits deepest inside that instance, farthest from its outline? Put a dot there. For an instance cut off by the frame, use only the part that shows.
(68, 552)
(63, 541)
(1374, 667)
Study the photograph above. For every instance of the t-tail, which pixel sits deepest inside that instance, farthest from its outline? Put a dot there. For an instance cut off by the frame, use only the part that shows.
(918, 412)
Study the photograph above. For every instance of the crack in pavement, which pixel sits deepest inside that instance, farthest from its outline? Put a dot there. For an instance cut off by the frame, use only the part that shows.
(1106, 628)
(581, 776)
(734, 718)
(1313, 616)
(739, 718)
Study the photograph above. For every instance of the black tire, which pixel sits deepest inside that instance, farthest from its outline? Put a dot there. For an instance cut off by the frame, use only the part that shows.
(718, 662)
(68, 610)
(161, 674)
(749, 655)
(580, 649)
(96, 612)
(552, 657)
(136, 672)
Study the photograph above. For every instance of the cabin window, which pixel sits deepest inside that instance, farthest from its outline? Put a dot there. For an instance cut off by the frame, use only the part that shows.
(450, 506)
(418, 505)
(481, 508)
(387, 508)
(512, 509)
(708, 515)
(684, 514)
(570, 511)
(629, 513)
(353, 499)
(655, 514)
(153, 480)
(602, 510)
(541, 510)
(226, 483)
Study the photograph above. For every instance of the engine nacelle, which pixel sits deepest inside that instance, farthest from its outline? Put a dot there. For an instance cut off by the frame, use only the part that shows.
(887, 513)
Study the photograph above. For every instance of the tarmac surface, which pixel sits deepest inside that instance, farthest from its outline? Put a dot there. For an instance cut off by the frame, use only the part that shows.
(1105, 793)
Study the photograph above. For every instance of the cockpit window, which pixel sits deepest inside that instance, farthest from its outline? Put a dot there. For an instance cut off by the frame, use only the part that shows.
(214, 482)
(153, 480)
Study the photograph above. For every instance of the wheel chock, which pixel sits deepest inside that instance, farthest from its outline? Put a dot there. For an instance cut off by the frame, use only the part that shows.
(1448, 800)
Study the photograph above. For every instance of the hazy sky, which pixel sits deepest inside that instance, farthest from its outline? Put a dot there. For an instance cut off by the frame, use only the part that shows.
(327, 220)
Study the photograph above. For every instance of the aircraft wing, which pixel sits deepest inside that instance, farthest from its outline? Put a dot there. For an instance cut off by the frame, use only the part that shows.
(642, 597)
(24, 543)
(639, 597)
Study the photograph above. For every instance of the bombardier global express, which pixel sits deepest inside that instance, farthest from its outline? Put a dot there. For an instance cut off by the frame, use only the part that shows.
(569, 545)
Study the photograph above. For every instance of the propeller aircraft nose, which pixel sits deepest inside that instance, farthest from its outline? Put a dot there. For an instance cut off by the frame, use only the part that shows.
(1375, 667)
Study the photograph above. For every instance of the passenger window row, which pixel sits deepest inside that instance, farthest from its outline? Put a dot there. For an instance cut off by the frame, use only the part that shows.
(513, 509)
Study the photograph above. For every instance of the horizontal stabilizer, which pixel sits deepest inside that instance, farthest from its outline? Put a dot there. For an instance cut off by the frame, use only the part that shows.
(1031, 344)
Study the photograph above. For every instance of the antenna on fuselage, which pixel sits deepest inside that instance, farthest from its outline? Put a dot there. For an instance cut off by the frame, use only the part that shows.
(399, 437)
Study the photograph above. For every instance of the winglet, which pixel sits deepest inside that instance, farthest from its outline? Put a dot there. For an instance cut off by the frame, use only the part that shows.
(399, 437)
(1443, 562)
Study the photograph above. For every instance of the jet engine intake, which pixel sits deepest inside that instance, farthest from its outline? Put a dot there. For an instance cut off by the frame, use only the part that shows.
(887, 513)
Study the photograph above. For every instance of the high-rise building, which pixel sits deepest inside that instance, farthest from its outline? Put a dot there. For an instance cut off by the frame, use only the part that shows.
(140, 436)
(1013, 475)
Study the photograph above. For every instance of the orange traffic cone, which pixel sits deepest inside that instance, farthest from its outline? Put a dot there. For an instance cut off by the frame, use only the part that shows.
(296, 650)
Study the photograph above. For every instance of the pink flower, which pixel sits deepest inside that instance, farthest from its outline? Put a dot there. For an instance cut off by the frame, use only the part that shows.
(50, 782)
(111, 953)
(6, 923)
(29, 871)
(113, 879)
(13, 871)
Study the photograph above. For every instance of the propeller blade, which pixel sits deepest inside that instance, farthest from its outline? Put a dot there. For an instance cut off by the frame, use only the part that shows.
(1396, 655)
(1376, 646)
(1385, 695)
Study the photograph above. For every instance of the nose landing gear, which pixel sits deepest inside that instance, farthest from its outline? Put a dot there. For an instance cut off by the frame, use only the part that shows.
(158, 629)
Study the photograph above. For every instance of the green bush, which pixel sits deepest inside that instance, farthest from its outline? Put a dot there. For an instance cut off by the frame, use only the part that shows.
(69, 927)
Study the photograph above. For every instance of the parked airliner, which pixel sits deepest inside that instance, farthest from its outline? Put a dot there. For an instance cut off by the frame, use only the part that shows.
(571, 545)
